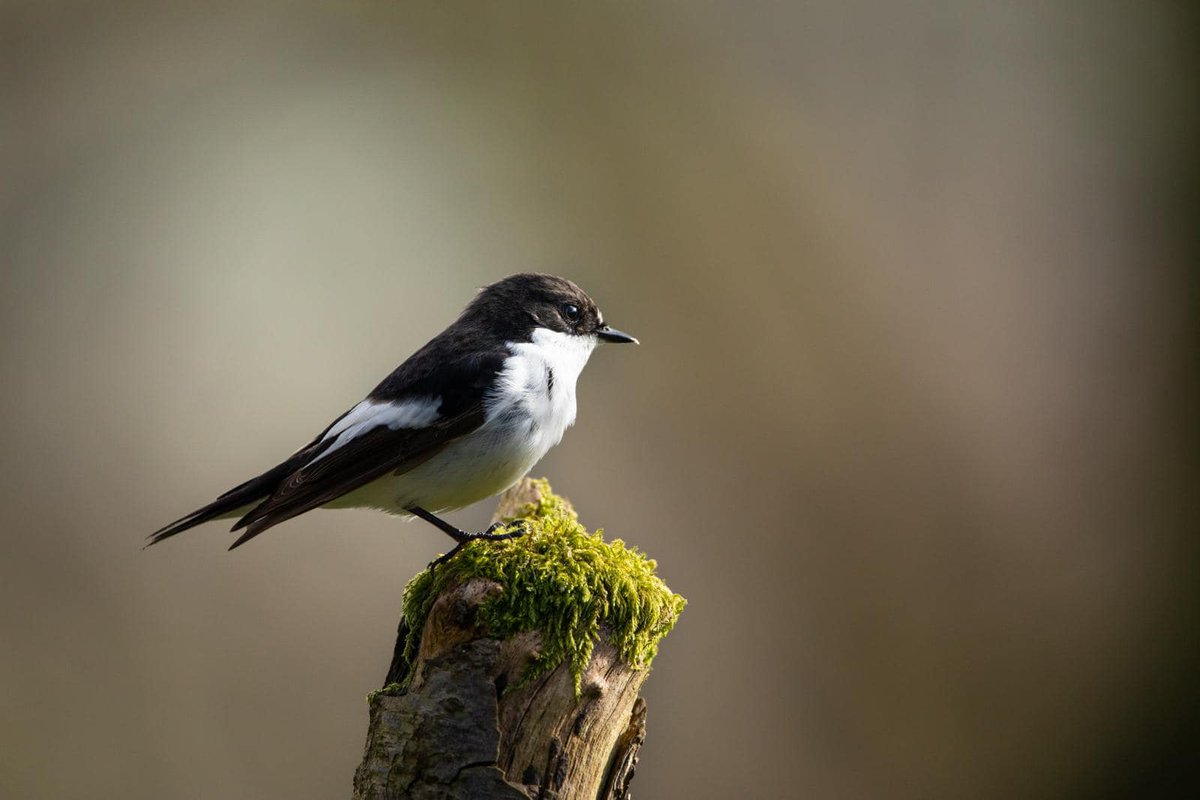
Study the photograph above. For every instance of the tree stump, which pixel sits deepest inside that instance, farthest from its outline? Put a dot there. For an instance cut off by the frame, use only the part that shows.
(518, 666)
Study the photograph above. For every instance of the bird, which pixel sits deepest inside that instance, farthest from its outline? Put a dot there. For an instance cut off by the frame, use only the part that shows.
(462, 419)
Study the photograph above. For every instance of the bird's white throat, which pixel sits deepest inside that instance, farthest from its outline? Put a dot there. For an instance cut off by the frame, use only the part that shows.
(539, 379)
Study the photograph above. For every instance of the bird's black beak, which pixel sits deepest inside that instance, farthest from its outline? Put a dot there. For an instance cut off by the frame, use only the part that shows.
(615, 336)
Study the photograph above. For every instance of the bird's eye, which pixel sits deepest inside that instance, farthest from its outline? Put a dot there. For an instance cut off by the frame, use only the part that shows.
(571, 312)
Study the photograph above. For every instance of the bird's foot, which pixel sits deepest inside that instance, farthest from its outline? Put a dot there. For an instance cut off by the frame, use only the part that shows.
(490, 534)
(520, 528)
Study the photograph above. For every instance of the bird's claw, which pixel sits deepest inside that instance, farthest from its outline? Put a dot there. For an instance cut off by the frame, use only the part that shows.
(520, 526)
(490, 535)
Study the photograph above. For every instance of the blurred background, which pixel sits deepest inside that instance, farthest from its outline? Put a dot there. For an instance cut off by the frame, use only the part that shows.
(912, 425)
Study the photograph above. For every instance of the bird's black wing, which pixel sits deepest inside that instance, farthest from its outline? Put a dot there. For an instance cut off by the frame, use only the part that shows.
(460, 385)
(365, 458)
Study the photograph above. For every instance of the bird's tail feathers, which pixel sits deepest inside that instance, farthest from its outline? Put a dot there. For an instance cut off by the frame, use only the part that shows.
(232, 503)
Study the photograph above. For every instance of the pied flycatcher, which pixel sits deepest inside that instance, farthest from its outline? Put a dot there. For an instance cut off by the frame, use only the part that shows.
(463, 419)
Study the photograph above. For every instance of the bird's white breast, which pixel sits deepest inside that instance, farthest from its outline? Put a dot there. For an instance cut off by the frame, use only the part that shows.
(529, 408)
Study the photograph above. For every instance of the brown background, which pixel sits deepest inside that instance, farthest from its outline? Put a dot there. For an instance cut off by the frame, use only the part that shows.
(911, 426)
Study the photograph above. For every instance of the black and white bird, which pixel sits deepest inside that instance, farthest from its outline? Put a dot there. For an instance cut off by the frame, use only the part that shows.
(463, 419)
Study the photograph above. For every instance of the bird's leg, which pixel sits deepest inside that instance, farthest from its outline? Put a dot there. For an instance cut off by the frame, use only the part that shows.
(461, 536)
(454, 533)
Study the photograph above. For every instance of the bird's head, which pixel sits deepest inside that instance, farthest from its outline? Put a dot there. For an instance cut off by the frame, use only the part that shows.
(528, 301)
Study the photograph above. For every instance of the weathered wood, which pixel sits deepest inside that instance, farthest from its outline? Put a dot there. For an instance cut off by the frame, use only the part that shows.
(625, 755)
(463, 727)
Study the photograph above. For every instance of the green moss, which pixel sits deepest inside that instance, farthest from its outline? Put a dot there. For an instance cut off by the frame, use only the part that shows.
(391, 690)
(559, 580)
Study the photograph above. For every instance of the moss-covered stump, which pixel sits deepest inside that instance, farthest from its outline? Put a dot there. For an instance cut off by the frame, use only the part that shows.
(518, 666)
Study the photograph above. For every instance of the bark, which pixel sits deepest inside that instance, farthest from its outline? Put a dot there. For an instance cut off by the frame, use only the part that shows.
(463, 728)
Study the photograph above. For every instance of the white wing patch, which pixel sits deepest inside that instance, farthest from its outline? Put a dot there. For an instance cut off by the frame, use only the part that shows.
(369, 414)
